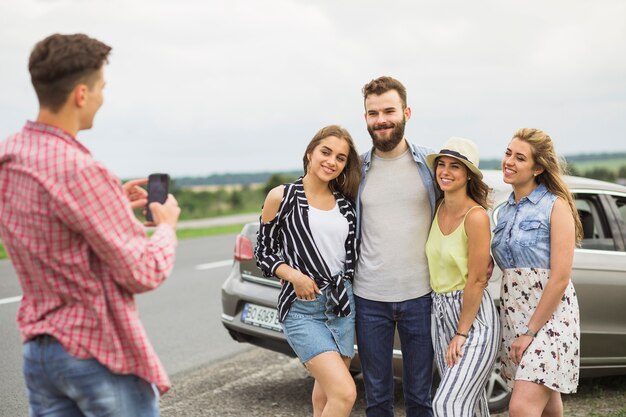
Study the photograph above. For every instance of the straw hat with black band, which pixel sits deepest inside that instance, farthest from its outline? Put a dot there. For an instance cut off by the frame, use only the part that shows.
(462, 149)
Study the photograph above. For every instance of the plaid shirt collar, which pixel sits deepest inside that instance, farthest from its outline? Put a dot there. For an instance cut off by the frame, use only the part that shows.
(57, 132)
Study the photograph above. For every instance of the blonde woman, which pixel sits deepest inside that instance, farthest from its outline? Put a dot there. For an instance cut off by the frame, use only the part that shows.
(533, 244)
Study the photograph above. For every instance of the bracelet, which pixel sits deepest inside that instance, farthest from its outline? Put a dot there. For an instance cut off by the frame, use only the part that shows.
(461, 334)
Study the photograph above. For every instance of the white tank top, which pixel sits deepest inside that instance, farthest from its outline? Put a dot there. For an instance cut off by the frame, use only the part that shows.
(330, 231)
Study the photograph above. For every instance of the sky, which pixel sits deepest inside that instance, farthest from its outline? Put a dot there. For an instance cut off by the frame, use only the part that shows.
(201, 87)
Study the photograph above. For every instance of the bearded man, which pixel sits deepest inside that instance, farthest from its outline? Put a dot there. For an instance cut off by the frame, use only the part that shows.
(395, 208)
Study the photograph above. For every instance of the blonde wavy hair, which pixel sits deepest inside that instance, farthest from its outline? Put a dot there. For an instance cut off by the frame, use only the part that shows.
(545, 156)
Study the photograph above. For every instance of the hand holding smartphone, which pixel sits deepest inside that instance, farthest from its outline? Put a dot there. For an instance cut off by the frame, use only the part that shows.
(158, 188)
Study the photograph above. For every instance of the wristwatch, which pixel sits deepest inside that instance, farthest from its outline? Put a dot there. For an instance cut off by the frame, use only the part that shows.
(527, 332)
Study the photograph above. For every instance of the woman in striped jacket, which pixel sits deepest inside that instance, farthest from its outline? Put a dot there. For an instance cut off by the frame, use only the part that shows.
(307, 239)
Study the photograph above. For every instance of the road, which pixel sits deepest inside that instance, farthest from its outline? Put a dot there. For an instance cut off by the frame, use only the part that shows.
(212, 375)
(260, 383)
(182, 317)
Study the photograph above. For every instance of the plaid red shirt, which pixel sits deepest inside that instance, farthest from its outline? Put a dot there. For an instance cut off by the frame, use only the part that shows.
(79, 251)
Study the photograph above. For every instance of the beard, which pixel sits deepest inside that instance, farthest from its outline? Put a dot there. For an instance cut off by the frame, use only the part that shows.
(396, 135)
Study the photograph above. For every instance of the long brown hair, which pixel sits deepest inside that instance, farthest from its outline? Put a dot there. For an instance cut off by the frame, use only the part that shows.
(476, 188)
(347, 183)
(545, 156)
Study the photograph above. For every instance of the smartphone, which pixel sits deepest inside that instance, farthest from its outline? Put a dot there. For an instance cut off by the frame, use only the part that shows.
(158, 186)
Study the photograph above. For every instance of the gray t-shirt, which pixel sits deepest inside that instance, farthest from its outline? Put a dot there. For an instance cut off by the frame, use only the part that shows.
(395, 216)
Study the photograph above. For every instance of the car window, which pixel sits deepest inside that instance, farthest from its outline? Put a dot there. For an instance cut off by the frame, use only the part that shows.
(620, 202)
(621, 207)
(596, 231)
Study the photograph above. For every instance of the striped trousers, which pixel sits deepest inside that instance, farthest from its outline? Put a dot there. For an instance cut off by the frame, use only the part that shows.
(462, 388)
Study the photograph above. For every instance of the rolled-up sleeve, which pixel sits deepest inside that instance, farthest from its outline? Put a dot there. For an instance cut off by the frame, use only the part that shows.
(268, 247)
(94, 205)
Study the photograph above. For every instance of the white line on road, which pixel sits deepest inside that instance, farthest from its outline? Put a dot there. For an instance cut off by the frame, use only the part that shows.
(10, 300)
(211, 265)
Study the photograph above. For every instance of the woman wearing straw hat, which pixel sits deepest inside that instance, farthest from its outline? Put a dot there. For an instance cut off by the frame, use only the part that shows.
(465, 329)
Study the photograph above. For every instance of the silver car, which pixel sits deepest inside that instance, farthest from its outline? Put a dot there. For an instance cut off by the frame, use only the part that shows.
(599, 275)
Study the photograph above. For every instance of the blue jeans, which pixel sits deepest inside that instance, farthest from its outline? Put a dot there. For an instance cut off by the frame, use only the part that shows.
(376, 324)
(60, 385)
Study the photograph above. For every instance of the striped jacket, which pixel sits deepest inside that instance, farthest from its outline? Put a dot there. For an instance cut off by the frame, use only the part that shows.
(287, 239)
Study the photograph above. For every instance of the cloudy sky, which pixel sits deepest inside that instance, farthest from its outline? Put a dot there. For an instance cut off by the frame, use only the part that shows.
(196, 87)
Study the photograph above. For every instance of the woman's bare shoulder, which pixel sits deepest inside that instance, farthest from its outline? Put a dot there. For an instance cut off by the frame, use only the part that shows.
(272, 203)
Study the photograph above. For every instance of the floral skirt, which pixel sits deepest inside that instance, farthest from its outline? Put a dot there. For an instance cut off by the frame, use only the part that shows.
(553, 357)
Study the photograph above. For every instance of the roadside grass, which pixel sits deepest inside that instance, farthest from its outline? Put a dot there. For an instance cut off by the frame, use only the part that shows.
(209, 231)
(184, 233)
(617, 413)
(598, 397)
(610, 164)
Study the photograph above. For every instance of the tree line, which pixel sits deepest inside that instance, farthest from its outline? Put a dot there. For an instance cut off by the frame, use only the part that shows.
(599, 173)
(202, 204)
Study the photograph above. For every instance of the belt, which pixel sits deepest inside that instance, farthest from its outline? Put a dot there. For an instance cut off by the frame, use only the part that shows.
(44, 339)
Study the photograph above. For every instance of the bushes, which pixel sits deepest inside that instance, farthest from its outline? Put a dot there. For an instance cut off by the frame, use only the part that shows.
(202, 204)
(277, 179)
(598, 173)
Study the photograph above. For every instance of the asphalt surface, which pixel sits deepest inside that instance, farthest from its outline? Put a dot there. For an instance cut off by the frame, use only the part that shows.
(259, 383)
(253, 383)
(182, 317)
(213, 375)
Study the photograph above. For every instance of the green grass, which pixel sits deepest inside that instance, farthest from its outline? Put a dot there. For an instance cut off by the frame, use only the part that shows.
(209, 231)
(617, 413)
(183, 234)
(609, 164)
(598, 397)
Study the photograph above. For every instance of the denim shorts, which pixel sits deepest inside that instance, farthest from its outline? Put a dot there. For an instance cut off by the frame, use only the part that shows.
(312, 328)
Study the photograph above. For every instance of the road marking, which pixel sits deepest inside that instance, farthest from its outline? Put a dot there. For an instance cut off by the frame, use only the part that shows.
(10, 300)
(212, 265)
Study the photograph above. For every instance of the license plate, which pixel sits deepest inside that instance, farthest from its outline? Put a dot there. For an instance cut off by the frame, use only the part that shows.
(261, 316)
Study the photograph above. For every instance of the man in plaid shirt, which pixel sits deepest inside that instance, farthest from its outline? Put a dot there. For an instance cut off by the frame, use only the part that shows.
(79, 251)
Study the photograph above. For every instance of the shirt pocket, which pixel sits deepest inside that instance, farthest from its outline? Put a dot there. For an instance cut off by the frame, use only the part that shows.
(528, 233)
(498, 234)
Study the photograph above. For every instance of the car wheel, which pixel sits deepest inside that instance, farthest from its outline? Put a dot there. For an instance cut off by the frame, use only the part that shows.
(498, 393)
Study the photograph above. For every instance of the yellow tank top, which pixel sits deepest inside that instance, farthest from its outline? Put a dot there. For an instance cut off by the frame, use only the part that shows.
(447, 257)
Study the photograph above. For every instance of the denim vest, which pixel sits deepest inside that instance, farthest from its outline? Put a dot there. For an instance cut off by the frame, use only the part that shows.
(419, 156)
(521, 239)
